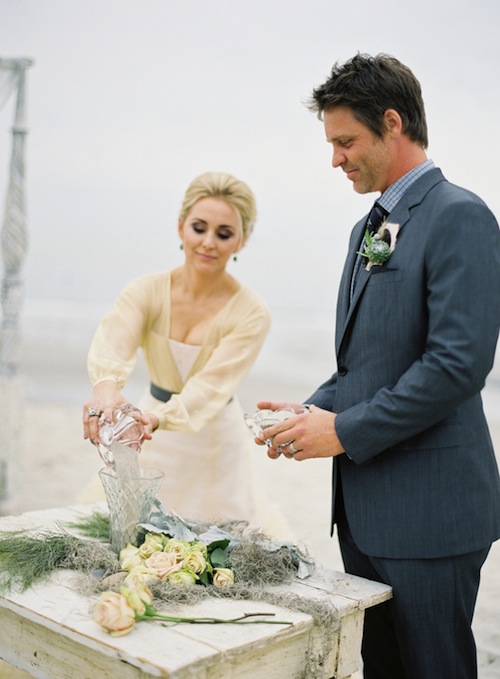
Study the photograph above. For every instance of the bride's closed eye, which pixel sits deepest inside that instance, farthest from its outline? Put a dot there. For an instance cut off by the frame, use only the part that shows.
(223, 234)
(198, 228)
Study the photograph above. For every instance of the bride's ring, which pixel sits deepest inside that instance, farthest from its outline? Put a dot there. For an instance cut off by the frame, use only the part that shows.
(94, 412)
(293, 449)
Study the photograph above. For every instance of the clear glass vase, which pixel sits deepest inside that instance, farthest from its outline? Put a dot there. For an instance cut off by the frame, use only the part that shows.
(130, 500)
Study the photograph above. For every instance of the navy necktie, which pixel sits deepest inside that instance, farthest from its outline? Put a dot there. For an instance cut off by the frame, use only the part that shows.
(375, 218)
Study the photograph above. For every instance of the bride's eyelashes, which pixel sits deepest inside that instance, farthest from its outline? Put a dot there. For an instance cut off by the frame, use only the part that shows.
(222, 234)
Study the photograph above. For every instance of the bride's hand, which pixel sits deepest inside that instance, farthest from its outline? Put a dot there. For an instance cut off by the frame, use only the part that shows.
(106, 397)
(150, 423)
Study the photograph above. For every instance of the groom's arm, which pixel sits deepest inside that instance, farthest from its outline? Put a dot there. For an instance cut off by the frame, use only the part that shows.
(324, 395)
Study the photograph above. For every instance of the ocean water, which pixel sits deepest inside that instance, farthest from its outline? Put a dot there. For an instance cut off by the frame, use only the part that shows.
(297, 356)
(56, 336)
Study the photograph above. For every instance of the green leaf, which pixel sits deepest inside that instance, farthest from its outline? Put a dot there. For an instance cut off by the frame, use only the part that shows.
(204, 579)
(218, 543)
(219, 558)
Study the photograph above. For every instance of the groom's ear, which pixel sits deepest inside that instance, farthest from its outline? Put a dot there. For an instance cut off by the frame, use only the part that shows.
(393, 123)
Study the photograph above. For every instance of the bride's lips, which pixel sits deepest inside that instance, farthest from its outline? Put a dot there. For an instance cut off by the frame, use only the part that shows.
(206, 257)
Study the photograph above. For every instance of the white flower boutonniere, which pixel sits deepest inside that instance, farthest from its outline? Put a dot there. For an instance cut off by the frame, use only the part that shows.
(380, 245)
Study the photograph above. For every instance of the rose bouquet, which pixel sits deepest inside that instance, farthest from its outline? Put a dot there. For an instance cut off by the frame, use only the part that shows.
(174, 553)
(178, 561)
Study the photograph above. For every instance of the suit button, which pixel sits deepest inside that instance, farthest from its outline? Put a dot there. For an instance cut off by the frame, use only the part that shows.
(342, 370)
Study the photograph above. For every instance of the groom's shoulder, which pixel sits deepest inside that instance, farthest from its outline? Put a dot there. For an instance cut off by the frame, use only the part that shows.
(434, 186)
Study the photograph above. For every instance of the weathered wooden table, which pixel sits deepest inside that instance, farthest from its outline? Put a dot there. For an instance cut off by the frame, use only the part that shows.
(48, 630)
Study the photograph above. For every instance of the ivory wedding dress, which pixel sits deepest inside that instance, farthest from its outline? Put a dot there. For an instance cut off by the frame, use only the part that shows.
(210, 475)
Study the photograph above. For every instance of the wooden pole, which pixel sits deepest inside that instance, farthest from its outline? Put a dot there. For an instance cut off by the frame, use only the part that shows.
(14, 245)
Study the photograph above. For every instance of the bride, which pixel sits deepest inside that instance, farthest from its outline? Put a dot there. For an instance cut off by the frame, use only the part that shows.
(200, 331)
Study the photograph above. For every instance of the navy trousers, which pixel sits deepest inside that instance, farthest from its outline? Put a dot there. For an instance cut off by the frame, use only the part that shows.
(424, 632)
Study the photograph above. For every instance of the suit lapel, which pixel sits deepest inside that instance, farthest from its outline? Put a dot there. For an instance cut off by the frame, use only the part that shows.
(345, 281)
(400, 215)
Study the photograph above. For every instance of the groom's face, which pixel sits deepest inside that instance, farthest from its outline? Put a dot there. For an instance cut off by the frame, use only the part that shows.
(364, 157)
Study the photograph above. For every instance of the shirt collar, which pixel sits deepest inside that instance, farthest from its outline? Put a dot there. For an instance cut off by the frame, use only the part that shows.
(391, 196)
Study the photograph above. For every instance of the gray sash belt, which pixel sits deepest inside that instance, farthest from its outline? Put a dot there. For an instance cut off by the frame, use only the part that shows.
(163, 394)
(159, 393)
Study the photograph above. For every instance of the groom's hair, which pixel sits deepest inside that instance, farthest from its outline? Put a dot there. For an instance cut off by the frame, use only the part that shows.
(371, 85)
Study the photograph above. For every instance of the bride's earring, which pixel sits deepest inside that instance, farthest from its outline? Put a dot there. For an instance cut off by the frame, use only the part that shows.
(235, 259)
(181, 247)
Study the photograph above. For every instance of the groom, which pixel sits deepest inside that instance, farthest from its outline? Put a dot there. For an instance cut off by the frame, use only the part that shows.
(416, 490)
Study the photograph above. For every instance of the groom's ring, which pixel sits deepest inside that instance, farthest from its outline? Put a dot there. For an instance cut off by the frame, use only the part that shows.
(94, 412)
(293, 449)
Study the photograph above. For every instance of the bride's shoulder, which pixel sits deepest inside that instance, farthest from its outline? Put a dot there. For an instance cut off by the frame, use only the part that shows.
(247, 298)
(148, 286)
(151, 280)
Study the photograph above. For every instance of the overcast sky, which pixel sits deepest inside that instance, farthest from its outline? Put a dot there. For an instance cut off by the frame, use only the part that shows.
(128, 100)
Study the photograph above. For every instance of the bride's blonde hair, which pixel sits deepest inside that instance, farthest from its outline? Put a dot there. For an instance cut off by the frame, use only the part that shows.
(225, 186)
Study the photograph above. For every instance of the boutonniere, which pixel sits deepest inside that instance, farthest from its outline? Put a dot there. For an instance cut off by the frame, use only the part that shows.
(380, 245)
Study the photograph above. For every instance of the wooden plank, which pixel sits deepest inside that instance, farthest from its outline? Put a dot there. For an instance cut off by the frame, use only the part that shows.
(46, 654)
(350, 639)
(153, 651)
(8, 671)
(341, 589)
(53, 607)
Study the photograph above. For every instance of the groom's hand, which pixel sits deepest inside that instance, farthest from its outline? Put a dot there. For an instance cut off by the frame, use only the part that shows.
(303, 436)
(274, 453)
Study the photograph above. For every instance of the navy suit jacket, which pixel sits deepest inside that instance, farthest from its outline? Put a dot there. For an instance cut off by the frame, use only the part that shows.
(414, 347)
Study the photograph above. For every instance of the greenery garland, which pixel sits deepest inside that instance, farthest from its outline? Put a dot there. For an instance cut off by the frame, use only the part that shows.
(94, 526)
(28, 557)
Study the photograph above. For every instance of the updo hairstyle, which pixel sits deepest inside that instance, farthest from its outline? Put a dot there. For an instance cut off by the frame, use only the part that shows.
(225, 186)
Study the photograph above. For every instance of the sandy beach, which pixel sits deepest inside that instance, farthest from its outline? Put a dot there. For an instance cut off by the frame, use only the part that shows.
(55, 464)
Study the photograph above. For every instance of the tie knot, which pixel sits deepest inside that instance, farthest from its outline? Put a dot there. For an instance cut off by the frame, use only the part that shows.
(376, 217)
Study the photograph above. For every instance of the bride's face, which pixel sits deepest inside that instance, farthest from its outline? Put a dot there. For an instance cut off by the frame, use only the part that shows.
(211, 233)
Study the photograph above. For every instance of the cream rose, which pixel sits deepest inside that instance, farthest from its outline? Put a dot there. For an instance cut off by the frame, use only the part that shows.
(114, 614)
(142, 572)
(200, 547)
(154, 542)
(182, 578)
(130, 557)
(163, 564)
(195, 562)
(223, 577)
(138, 597)
(178, 547)
(136, 584)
